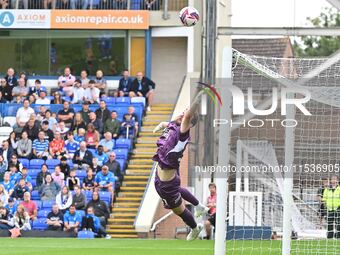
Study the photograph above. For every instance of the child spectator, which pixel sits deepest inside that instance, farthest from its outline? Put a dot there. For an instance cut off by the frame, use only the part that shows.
(88, 182)
(72, 220)
(37, 88)
(79, 198)
(64, 199)
(64, 167)
(7, 184)
(58, 177)
(22, 219)
(49, 190)
(81, 135)
(72, 180)
(51, 124)
(27, 178)
(19, 190)
(11, 206)
(71, 146)
(14, 161)
(14, 175)
(55, 219)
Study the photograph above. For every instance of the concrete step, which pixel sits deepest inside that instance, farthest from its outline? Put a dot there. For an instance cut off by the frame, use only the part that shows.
(128, 199)
(134, 183)
(126, 205)
(132, 189)
(130, 194)
(120, 227)
(142, 156)
(163, 105)
(134, 177)
(123, 215)
(126, 221)
(122, 209)
(156, 111)
(148, 134)
(148, 162)
(139, 166)
(143, 172)
(143, 146)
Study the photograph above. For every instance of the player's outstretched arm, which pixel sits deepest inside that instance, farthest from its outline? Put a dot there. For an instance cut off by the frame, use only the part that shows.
(160, 126)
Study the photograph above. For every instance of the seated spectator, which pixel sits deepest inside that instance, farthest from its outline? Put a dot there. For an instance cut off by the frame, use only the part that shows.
(107, 142)
(105, 180)
(40, 146)
(14, 161)
(57, 149)
(77, 123)
(211, 204)
(78, 93)
(79, 198)
(134, 117)
(14, 174)
(66, 114)
(72, 220)
(23, 76)
(6, 219)
(51, 121)
(49, 135)
(62, 129)
(11, 206)
(6, 90)
(64, 199)
(2, 99)
(42, 175)
(3, 166)
(6, 151)
(80, 137)
(10, 77)
(143, 87)
(65, 82)
(57, 98)
(20, 89)
(101, 156)
(71, 146)
(24, 113)
(3, 196)
(42, 99)
(100, 82)
(58, 177)
(27, 178)
(31, 99)
(85, 112)
(128, 127)
(92, 93)
(37, 88)
(124, 84)
(49, 189)
(22, 219)
(19, 100)
(114, 167)
(95, 167)
(98, 125)
(64, 167)
(42, 113)
(92, 223)
(19, 190)
(102, 113)
(13, 141)
(72, 180)
(100, 208)
(88, 181)
(30, 206)
(24, 147)
(83, 157)
(92, 136)
(83, 78)
(31, 129)
(7, 184)
(55, 219)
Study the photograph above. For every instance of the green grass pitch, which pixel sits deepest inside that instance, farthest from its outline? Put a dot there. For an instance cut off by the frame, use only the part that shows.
(58, 246)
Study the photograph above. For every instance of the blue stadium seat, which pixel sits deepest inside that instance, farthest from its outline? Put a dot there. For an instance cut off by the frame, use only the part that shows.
(70, 163)
(81, 212)
(66, 98)
(50, 97)
(93, 151)
(81, 174)
(76, 107)
(51, 163)
(11, 109)
(86, 235)
(123, 143)
(47, 205)
(88, 195)
(43, 213)
(105, 196)
(35, 195)
(25, 162)
(123, 100)
(122, 164)
(138, 100)
(34, 183)
(40, 224)
(38, 203)
(36, 163)
(109, 100)
(122, 153)
(33, 173)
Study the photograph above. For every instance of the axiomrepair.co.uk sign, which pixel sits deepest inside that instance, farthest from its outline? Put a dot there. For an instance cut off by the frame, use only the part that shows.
(73, 19)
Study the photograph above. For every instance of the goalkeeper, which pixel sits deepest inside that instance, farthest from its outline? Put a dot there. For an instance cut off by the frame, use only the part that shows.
(331, 197)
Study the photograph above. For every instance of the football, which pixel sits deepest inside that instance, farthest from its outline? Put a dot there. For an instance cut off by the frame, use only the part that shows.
(189, 16)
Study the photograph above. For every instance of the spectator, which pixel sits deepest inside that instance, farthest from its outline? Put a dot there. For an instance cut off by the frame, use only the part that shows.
(64, 199)
(57, 98)
(6, 151)
(40, 146)
(62, 129)
(92, 136)
(31, 99)
(23, 114)
(31, 129)
(71, 146)
(37, 88)
(66, 114)
(72, 220)
(22, 219)
(11, 206)
(134, 117)
(20, 89)
(30, 206)
(100, 82)
(2, 99)
(98, 125)
(88, 181)
(79, 198)
(105, 180)
(211, 204)
(128, 127)
(65, 82)
(78, 123)
(6, 90)
(64, 167)
(92, 223)
(3, 167)
(57, 149)
(58, 177)
(331, 197)
(42, 99)
(78, 93)
(85, 112)
(14, 161)
(23, 76)
(7, 184)
(83, 78)
(72, 180)
(20, 190)
(81, 135)
(101, 156)
(49, 189)
(55, 219)
(14, 175)
(125, 84)
(28, 180)
(24, 148)
(12, 141)
(51, 122)
(100, 208)
(92, 93)
(41, 177)
(107, 142)
(114, 167)
(322, 206)
(42, 113)
(3, 195)
(6, 220)
(49, 135)
(10, 77)
(102, 113)
(143, 87)
(83, 157)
